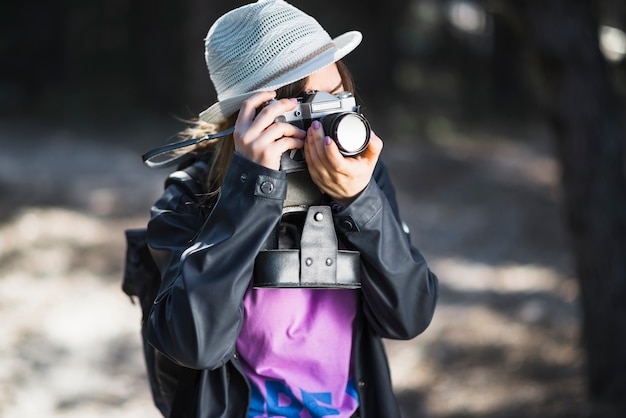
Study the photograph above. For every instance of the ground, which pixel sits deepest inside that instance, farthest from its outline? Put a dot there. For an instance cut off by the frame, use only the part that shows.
(484, 207)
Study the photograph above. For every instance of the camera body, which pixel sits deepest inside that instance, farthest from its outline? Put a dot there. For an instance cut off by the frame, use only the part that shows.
(339, 115)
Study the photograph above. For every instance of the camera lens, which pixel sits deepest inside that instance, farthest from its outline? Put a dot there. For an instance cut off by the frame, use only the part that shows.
(351, 132)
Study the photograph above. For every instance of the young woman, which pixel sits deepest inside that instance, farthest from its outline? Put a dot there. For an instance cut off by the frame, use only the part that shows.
(288, 352)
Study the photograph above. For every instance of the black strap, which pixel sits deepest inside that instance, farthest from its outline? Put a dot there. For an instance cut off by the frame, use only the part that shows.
(313, 260)
(174, 154)
(317, 264)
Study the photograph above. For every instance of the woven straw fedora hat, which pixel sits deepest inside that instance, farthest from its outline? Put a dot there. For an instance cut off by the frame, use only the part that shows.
(264, 46)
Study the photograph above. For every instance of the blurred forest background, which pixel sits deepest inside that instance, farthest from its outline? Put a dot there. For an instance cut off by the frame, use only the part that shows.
(503, 129)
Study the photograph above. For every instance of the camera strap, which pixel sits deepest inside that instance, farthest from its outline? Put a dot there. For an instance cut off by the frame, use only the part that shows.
(317, 264)
(311, 258)
(178, 152)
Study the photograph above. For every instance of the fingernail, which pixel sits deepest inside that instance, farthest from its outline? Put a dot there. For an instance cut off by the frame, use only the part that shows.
(327, 140)
(316, 124)
(293, 100)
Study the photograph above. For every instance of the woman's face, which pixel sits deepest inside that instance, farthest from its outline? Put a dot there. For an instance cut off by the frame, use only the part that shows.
(327, 79)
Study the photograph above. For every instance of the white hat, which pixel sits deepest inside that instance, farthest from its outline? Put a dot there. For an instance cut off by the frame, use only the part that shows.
(264, 46)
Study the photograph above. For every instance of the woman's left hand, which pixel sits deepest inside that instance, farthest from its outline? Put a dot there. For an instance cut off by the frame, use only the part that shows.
(342, 178)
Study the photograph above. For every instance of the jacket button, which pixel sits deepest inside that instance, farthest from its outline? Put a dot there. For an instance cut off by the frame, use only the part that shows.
(243, 178)
(347, 224)
(267, 187)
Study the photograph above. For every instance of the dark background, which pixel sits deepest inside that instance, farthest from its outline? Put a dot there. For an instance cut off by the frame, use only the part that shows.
(124, 73)
(112, 62)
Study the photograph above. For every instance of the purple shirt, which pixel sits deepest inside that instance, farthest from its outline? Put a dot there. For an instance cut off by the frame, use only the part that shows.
(296, 350)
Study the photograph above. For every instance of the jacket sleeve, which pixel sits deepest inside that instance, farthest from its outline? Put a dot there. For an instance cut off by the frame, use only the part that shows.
(206, 265)
(399, 290)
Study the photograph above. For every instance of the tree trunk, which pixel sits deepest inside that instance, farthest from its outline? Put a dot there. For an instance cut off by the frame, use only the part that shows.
(590, 144)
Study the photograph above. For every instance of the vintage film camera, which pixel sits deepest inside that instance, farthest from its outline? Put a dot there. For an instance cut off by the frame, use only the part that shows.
(339, 115)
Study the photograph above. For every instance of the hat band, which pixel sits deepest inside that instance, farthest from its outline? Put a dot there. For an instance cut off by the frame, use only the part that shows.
(266, 82)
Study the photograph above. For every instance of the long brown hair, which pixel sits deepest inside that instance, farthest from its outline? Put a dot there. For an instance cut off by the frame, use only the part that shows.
(220, 150)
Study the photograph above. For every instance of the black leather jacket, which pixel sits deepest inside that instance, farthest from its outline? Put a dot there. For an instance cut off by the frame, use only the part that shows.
(207, 259)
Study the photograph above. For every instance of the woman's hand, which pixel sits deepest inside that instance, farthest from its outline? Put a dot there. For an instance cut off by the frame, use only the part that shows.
(260, 139)
(342, 178)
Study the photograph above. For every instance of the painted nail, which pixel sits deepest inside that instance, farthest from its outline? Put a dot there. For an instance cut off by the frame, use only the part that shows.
(327, 140)
(316, 124)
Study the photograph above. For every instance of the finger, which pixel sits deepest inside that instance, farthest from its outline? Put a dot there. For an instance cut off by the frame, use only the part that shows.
(370, 155)
(249, 106)
(278, 130)
(374, 148)
(287, 143)
(273, 133)
(315, 134)
(277, 148)
(317, 161)
(248, 111)
(331, 155)
(269, 113)
(326, 150)
(253, 128)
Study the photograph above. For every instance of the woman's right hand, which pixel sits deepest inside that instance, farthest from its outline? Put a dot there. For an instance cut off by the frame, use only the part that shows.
(260, 139)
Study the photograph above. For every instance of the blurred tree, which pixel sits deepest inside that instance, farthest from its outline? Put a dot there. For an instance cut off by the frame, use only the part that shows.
(509, 94)
(589, 137)
(31, 53)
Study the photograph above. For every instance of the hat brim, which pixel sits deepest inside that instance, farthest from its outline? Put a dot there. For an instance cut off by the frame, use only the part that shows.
(343, 45)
